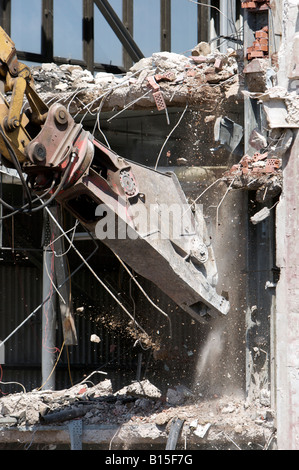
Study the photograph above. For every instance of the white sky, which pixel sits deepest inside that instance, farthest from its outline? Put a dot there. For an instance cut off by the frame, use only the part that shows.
(26, 28)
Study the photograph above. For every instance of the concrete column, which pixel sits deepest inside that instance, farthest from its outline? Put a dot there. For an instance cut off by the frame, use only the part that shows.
(287, 312)
(286, 321)
(48, 323)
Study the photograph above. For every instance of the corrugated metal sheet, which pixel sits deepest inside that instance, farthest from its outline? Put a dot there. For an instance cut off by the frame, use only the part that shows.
(116, 354)
(20, 289)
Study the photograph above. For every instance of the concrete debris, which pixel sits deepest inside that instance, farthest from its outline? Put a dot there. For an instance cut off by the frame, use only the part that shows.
(260, 216)
(201, 430)
(95, 339)
(260, 173)
(178, 395)
(280, 142)
(141, 389)
(177, 77)
(203, 48)
(257, 140)
(266, 187)
(140, 409)
(281, 106)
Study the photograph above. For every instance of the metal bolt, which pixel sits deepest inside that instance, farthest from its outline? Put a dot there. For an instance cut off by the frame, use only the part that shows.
(39, 153)
(61, 116)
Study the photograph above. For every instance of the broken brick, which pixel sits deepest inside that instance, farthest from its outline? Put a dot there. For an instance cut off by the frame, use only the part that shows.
(258, 46)
(153, 84)
(261, 34)
(191, 73)
(273, 164)
(159, 100)
(256, 5)
(255, 54)
(259, 156)
(249, 5)
(218, 64)
(263, 41)
(169, 76)
(200, 59)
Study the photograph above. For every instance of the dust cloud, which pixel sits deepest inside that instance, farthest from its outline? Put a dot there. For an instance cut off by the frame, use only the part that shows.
(207, 373)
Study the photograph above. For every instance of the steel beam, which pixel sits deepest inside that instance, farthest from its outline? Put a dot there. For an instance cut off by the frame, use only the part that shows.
(128, 20)
(48, 320)
(166, 25)
(47, 47)
(203, 21)
(88, 34)
(119, 29)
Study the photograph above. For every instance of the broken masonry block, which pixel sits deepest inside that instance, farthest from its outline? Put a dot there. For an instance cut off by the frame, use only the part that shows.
(95, 339)
(263, 41)
(191, 73)
(257, 140)
(235, 168)
(201, 59)
(153, 84)
(249, 5)
(272, 164)
(261, 34)
(202, 49)
(159, 99)
(255, 54)
(258, 46)
(257, 157)
(218, 64)
(257, 66)
(245, 161)
(260, 216)
(256, 5)
(169, 76)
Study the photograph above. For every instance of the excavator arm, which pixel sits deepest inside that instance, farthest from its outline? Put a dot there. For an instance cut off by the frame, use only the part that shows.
(139, 213)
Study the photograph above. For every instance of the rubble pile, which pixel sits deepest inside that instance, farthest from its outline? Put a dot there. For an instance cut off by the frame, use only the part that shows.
(141, 406)
(259, 173)
(176, 77)
(262, 172)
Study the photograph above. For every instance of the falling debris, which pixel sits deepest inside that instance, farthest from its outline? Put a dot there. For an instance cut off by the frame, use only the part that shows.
(95, 339)
(257, 140)
(259, 173)
(260, 216)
